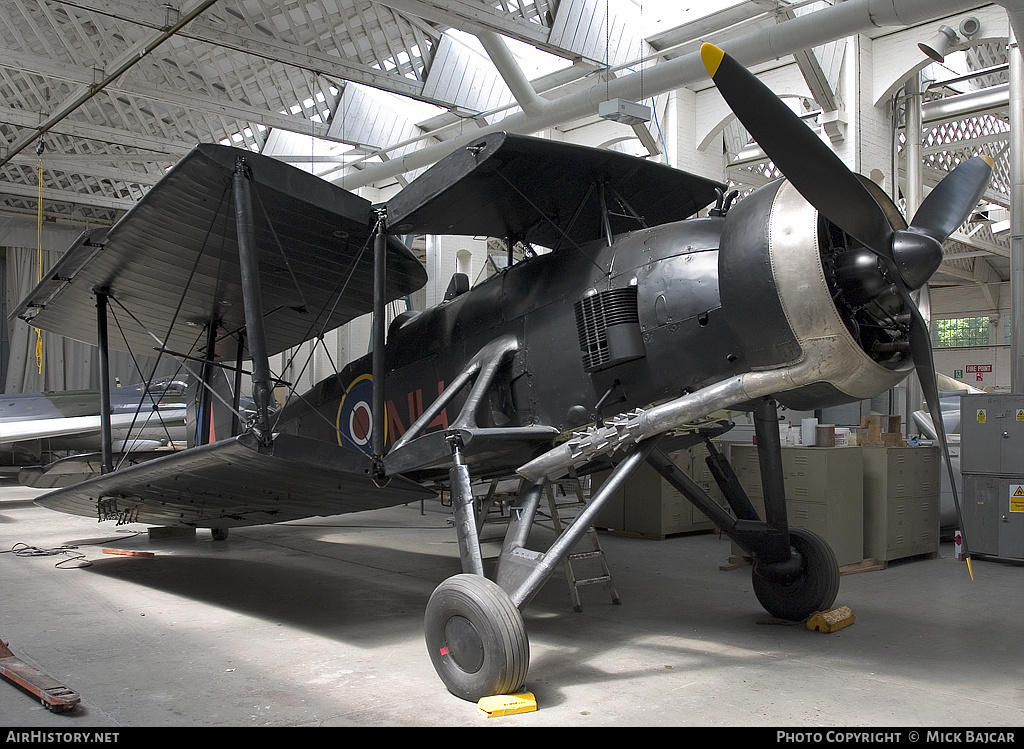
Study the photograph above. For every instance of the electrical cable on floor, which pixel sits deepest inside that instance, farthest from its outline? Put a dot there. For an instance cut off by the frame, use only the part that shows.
(24, 550)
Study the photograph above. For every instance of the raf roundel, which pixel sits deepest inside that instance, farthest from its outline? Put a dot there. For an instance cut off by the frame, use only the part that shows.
(355, 417)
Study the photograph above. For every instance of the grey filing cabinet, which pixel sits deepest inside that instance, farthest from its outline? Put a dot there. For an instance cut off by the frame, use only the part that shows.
(824, 492)
(901, 501)
(992, 465)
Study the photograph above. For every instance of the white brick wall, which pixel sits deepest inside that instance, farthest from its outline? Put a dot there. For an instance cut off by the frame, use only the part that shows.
(896, 54)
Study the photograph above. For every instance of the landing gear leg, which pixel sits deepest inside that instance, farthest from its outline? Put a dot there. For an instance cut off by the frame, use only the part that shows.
(465, 515)
(475, 635)
(474, 629)
(795, 572)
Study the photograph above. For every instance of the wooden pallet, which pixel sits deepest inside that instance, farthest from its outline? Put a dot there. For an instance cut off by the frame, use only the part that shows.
(866, 565)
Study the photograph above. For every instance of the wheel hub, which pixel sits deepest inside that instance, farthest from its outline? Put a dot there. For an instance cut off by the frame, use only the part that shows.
(464, 644)
(783, 573)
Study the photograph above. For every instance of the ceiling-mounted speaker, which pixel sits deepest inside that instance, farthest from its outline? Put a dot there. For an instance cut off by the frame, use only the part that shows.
(940, 43)
(969, 27)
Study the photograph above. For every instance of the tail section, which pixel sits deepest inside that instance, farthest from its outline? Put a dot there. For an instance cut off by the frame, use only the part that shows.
(211, 414)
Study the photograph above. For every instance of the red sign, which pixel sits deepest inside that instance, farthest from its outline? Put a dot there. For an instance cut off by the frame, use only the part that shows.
(979, 367)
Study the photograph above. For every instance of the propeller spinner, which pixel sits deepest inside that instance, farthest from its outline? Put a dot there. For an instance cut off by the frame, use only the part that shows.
(910, 256)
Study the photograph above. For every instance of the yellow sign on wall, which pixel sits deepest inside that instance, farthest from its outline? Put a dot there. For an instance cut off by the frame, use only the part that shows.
(1016, 497)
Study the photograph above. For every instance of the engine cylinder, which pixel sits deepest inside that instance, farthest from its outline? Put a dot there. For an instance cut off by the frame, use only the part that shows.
(797, 291)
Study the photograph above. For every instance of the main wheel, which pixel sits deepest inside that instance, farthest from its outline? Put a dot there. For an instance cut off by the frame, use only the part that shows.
(812, 589)
(476, 638)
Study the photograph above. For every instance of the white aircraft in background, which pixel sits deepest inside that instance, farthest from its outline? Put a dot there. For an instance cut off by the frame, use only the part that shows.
(36, 428)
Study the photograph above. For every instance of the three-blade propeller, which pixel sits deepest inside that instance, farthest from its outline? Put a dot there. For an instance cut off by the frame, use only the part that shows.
(909, 256)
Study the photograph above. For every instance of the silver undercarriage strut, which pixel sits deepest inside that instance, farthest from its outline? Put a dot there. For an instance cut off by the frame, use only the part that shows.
(521, 571)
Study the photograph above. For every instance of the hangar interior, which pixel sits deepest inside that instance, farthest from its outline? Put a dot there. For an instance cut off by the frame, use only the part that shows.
(319, 622)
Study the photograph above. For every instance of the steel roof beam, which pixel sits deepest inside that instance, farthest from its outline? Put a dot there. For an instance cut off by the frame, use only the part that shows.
(183, 99)
(118, 68)
(220, 33)
(784, 39)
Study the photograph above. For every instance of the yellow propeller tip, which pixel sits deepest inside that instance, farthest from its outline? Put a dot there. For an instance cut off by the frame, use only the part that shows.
(969, 569)
(988, 160)
(712, 57)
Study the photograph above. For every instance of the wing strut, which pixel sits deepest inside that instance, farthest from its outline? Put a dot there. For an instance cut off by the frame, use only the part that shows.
(236, 421)
(206, 399)
(106, 443)
(380, 247)
(252, 301)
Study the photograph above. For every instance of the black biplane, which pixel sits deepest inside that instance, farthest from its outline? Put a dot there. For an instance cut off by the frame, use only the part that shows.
(641, 321)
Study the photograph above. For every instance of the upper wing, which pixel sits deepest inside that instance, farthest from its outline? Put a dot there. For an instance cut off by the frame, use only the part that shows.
(170, 265)
(544, 192)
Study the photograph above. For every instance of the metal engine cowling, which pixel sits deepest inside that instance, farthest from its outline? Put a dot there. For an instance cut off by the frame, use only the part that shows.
(803, 298)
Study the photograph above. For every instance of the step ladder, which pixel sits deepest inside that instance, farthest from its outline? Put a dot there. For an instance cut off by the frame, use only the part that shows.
(587, 552)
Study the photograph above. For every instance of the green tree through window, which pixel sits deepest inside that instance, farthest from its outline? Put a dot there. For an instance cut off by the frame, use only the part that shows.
(960, 331)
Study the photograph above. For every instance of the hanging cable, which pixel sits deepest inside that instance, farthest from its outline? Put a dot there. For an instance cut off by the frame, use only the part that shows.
(642, 55)
(607, 48)
(40, 147)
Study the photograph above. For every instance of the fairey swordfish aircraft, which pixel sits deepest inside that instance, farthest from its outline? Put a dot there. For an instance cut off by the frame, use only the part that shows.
(642, 321)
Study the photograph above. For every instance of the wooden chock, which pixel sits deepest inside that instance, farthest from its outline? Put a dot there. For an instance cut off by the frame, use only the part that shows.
(507, 704)
(831, 620)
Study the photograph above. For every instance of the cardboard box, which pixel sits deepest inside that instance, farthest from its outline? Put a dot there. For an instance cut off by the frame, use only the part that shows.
(883, 431)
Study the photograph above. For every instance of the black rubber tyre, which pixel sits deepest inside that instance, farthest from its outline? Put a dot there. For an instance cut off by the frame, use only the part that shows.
(814, 589)
(476, 638)
(219, 534)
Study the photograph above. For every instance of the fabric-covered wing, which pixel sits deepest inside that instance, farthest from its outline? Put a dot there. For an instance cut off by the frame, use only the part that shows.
(543, 192)
(234, 483)
(170, 264)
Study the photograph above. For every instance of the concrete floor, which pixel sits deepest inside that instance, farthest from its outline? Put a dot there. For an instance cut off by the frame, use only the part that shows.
(319, 623)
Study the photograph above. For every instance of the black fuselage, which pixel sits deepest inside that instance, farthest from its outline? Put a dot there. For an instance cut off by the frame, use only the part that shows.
(601, 329)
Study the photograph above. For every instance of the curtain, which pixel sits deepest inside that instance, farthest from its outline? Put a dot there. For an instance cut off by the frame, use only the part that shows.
(66, 364)
(23, 374)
